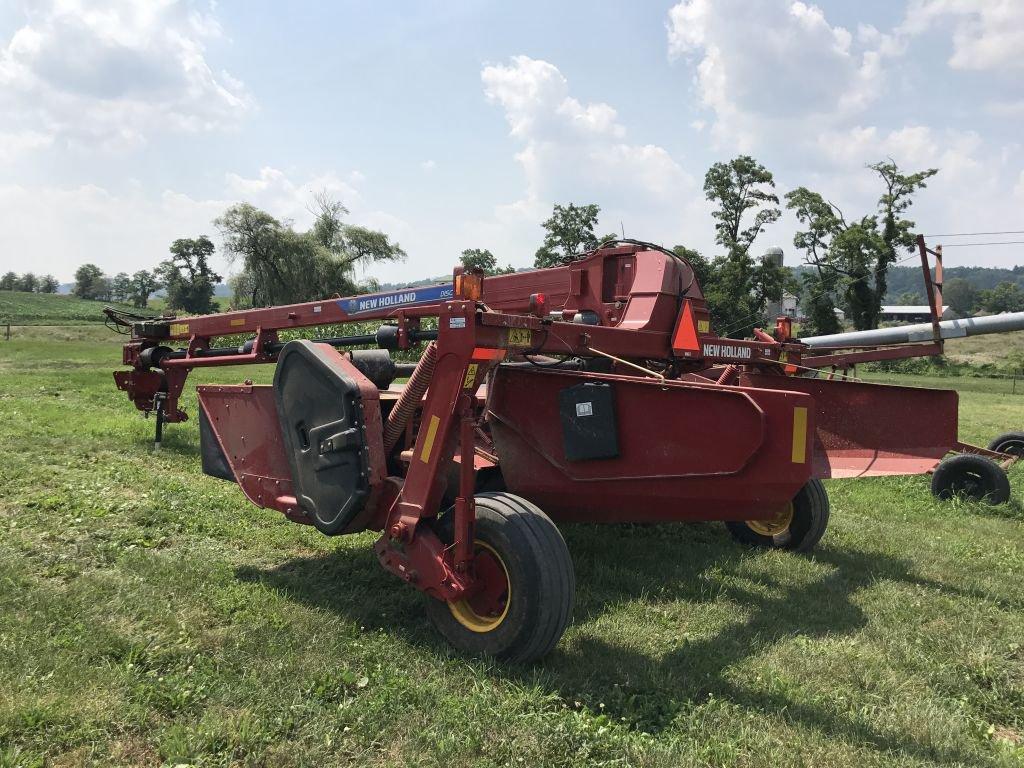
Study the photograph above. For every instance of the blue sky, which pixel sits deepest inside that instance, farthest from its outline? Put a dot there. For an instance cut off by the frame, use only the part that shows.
(126, 124)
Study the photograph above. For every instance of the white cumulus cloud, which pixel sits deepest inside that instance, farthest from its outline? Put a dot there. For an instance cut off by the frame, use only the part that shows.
(986, 34)
(571, 151)
(757, 61)
(131, 228)
(108, 74)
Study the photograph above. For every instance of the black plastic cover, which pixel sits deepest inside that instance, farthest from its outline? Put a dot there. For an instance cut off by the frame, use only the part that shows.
(374, 364)
(589, 429)
(152, 330)
(215, 463)
(320, 410)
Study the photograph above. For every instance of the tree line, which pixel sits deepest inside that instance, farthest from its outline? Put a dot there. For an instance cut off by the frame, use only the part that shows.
(91, 283)
(29, 283)
(849, 256)
(965, 299)
(186, 277)
(278, 263)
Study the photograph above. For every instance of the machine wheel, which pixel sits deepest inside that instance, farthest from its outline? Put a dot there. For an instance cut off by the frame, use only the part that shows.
(1009, 442)
(528, 586)
(798, 527)
(975, 477)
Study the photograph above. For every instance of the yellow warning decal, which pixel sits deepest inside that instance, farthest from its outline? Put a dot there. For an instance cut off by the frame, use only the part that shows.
(470, 380)
(238, 321)
(179, 329)
(428, 441)
(519, 337)
(799, 435)
(703, 326)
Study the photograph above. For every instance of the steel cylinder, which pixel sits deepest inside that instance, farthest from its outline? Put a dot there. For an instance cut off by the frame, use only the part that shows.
(905, 334)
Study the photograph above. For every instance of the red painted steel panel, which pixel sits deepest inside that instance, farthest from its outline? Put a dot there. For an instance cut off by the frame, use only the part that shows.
(244, 419)
(687, 451)
(874, 429)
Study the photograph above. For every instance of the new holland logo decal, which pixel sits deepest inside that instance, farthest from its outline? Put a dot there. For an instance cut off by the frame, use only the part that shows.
(405, 298)
(726, 350)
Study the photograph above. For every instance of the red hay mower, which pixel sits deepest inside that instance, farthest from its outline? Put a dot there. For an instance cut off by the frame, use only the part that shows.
(594, 391)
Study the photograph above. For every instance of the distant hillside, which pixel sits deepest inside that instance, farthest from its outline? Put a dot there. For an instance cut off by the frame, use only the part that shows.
(50, 309)
(415, 283)
(909, 280)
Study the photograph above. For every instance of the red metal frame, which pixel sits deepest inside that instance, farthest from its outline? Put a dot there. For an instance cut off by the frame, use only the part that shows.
(737, 445)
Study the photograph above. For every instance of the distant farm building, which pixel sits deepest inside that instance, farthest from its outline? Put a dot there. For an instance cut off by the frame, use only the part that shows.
(911, 313)
(789, 306)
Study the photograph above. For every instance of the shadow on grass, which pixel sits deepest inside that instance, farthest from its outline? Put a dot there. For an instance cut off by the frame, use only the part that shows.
(655, 564)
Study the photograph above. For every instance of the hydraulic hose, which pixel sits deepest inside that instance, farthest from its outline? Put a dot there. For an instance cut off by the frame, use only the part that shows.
(410, 398)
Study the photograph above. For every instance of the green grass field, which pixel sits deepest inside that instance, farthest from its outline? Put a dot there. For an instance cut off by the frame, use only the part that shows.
(149, 615)
(50, 309)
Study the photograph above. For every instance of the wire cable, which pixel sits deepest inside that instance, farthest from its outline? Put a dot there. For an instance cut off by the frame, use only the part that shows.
(975, 234)
(971, 245)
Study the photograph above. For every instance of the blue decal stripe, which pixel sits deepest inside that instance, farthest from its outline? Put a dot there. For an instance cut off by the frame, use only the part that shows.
(407, 297)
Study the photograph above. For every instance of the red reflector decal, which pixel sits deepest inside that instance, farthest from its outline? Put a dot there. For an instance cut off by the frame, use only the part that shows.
(685, 337)
(484, 353)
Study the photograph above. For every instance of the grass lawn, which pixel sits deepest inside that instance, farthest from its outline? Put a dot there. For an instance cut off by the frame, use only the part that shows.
(999, 349)
(149, 615)
(51, 309)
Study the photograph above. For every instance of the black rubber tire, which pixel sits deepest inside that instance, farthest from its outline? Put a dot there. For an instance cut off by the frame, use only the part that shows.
(541, 579)
(975, 477)
(1008, 442)
(810, 519)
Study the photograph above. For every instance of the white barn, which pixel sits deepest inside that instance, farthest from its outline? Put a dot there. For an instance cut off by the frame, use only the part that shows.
(912, 313)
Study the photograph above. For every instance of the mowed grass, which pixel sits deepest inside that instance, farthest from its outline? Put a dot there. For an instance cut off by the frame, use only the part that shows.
(21, 308)
(149, 615)
(1001, 349)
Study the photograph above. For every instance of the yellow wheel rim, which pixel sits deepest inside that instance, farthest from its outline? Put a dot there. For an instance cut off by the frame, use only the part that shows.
(467, 615)
(773, 526)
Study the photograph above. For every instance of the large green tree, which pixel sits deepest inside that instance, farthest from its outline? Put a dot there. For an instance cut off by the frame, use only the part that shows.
(89, 282)
(961, 296)
(852, 257)
(1005, 297)
(9, 281)
(143, 283)
(188, 277)
(281, 265)
(120, 287)
(28, 282)
(484, 260)
(568, 232)
(738, 286)
(898, 195)
(49, 284)
(479, 258)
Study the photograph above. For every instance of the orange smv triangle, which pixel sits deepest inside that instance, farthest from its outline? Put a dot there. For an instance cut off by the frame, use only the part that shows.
(685, 337)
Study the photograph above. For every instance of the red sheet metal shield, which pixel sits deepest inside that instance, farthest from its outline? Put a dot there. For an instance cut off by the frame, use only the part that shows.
(244, 421)
(685, 451)
(864, 429)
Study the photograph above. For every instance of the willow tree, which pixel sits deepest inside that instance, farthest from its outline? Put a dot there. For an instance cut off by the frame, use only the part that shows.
(281, 265)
